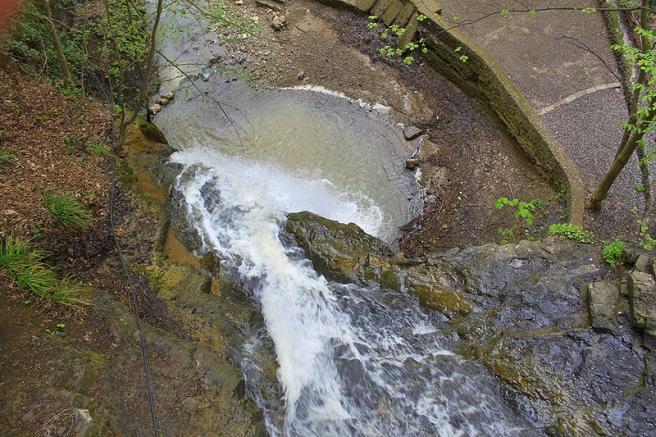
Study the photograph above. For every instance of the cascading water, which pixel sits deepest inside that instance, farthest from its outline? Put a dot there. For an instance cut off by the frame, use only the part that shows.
(351, 360)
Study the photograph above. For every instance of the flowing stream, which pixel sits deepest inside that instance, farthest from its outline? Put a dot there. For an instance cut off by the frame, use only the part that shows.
(350, 360)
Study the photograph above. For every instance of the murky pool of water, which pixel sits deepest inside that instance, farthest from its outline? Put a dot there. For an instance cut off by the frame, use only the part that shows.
(310, 135)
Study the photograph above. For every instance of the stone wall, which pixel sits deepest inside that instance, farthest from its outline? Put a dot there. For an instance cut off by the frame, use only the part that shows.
(484, 80)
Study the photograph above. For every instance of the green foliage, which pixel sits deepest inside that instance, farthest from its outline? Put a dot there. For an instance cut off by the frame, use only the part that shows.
(643, 119)
(523, 210)
(571, 231)
(33, 46)
(612, 252)
(463, 58)
(98, 149)
(562, 194)
(640, 188)
(507, 235)
(71, 143)
(25, 267)
(67, 211)
(646, 240)
(396, 33)
(6, 155)
(390, 51)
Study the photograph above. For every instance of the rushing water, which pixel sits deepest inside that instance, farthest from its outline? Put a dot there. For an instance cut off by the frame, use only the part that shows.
(351, 360)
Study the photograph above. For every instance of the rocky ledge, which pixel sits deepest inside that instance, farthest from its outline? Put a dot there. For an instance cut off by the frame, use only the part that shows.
(570, 340)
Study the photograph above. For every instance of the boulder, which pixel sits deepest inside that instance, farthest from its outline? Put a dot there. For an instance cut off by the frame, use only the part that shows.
(411, 132)
(642, 300)
(338, 251)
(278, 22)
(602, 300)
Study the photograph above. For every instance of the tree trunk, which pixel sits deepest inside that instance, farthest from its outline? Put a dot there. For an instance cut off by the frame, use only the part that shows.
(618, 164)
(150, 67)
(63, 65)
(623, 156)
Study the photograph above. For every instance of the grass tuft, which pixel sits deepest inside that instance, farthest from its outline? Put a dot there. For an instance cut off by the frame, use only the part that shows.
(98, 149)
(6, 156)
(25, 267)
(67, 211)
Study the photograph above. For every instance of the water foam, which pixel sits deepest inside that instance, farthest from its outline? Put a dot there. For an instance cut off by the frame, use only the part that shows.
(351, 360)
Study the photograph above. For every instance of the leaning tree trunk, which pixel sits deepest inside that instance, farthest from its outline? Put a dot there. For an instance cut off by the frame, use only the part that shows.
(613, 172)
(622, 157)
(63, 65)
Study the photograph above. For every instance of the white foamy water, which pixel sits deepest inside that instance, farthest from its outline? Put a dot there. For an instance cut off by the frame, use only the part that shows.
(351, 360)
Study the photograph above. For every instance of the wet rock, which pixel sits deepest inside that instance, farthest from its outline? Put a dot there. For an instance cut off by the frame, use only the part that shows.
(643, 264)
(278, 22)
(301, 75)
(435, 297)
(412, 132)
(154, 108)
(602, 300)
(412, 163)
(341, 252)
(642, 297)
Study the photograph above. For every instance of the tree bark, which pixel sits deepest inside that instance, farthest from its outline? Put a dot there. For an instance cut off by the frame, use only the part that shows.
(622, 157)
(63, 65)
(150, 66)
(615, 169)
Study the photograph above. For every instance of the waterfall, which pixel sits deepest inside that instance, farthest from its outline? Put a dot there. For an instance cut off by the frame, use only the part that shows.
(351, 360)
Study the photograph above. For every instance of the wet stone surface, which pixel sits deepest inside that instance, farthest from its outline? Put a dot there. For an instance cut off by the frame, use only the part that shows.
(571, 364)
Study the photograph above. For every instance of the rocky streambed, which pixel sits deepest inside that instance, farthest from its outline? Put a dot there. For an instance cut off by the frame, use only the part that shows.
(503, 340)
(333, 331)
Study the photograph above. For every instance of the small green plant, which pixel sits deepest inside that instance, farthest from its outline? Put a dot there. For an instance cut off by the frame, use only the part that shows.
(645, 239)
(507, 235)
(71, 92)
(571, 231)
(640, 188)
(612, 252)
(98, 149)
(25, 267)
(71, 143)
(67, 210)
(6, 156)
(523, 210)
(462, 57)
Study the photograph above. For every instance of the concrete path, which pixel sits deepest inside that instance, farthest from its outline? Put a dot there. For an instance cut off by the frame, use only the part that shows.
(562, 62)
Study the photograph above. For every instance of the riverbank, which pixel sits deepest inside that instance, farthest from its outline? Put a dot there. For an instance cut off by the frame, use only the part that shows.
(497, 315)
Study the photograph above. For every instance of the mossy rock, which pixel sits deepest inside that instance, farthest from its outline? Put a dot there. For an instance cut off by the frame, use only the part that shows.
(435, 297)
